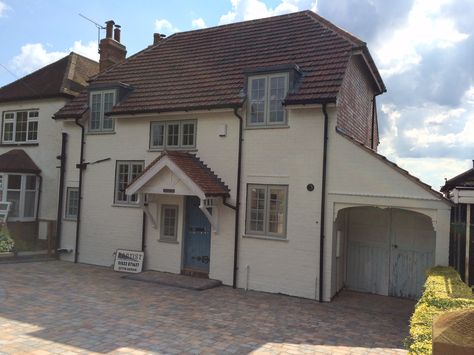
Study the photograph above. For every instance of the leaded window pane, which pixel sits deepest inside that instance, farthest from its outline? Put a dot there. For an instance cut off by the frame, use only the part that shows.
(172, 135)
(257, 101)
(32, 130)
(8, 131)
(157, 135)
(188, 134)
(108, 105)
(277, 94)
(95, 112)
(21, 126)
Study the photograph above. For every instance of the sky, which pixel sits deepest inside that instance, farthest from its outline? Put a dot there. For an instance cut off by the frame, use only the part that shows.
(424, 50)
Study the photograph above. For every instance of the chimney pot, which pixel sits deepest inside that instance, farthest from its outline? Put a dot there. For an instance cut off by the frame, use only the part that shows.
(117, 33)
(109, 25)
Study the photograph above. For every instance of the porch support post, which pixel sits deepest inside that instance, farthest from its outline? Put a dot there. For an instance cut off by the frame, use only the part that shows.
(145, 209)
(213, 218)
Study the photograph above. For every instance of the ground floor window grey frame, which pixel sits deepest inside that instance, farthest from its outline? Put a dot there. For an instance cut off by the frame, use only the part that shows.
(169, 223)
(72, 203)
(262, 210)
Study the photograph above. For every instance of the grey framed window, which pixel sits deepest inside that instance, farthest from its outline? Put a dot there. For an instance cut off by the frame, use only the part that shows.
(125, 172)
(267, 207)
(20, 126)
(169, 223)
(101, 102)
(72, 203)
(265, 97)
(173, 135)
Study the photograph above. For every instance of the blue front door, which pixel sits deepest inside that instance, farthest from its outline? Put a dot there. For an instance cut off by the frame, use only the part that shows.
(197, 237)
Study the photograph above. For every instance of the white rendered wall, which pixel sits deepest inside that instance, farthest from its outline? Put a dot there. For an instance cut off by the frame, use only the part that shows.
(45, 152)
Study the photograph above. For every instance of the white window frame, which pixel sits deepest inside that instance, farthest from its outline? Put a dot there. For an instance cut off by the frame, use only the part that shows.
(169, 238)
(266, 121)
(102, 94)
(129, 199)
(67, 214)
(21, 208)
(266, 220)
(13, 120)
(165, 125)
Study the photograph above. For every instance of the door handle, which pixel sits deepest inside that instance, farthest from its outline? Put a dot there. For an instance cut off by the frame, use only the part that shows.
(395, 246)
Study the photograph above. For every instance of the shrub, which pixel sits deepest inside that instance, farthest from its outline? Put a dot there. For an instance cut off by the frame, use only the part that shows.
(6, 241)
(443, 291)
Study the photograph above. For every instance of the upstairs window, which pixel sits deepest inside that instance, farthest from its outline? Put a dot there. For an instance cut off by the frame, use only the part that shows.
(266, 94)
(20, 127)
(101, 102)
(173, 135)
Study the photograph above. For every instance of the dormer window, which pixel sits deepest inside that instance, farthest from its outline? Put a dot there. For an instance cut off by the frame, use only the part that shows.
(265, 96)
(101, 102)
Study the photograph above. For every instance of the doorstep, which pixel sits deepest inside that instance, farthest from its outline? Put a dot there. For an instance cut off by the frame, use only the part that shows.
(174, 280)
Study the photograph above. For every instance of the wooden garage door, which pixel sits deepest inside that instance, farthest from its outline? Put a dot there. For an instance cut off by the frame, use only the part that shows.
(388, 251)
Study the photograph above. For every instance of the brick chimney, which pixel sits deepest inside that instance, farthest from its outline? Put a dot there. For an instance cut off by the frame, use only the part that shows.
(157, 37)
(110, 49)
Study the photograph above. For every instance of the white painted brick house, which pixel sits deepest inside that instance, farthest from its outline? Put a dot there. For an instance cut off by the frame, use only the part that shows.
(246, 153)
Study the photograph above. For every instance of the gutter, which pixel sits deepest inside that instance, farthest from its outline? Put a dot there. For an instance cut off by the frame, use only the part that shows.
(236, 208)
(62, 171)
(323, 204)
(81, 166)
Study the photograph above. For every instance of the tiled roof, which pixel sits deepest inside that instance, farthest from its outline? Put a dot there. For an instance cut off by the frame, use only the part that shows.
(206, 68)
(404, 172)
(209, 183)
(65, 77)
(465, 179)
(17, 161)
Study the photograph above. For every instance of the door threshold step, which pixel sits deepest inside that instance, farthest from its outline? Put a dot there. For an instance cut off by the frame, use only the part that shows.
(195, 273)
(174, 280)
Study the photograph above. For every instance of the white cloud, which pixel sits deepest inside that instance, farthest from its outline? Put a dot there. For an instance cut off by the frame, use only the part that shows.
(426, 27)
(163, 26)
(34, 55)
(198, 23)
(243, 10)
(3, 9)
(431, 136)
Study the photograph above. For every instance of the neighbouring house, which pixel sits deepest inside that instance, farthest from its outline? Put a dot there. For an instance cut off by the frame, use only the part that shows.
(460, 190)
(30, 142)
(246, 153)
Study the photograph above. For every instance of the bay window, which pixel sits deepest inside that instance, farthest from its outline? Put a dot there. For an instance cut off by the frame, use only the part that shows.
(20, 126)
(21, 190)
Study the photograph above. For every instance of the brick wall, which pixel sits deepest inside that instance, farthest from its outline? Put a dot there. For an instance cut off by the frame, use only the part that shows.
(355, 103)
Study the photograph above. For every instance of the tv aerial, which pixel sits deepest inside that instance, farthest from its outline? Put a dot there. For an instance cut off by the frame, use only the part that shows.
(99, 27)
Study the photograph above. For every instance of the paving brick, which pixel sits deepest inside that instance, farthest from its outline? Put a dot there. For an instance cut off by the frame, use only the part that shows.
(64, 308)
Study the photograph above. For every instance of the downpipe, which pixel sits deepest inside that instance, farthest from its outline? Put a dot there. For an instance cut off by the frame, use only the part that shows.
(322, 236)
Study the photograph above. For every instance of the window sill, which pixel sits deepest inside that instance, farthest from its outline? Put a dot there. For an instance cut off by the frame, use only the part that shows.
(174, 149)
(278, 239)
(19, 144)
(268, 127)
(168, 241)
(69, 219)
(125, 205)
(100, 133)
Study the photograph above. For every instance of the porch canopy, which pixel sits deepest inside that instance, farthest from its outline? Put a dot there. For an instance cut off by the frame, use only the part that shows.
(180, 173)
(17, 161)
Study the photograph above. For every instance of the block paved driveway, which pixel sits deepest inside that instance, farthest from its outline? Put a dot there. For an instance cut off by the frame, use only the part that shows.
(62, 308)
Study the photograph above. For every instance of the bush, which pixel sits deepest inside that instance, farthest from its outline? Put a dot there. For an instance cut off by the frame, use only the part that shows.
(444, 291)
(6, 241)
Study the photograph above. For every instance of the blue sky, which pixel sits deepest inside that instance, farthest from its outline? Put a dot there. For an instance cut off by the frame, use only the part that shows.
(423, 49)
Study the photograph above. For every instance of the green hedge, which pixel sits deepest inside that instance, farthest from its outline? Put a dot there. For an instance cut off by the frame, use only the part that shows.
(444, 291)
(6, 241)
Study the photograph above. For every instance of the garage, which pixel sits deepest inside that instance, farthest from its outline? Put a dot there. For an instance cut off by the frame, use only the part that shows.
(384, 251)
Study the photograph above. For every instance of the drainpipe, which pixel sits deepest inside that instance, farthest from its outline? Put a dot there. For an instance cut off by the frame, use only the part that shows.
(143, 238)
(62, 171)
(372, 131)
(323, 204)
(237, 202)
(81, 166)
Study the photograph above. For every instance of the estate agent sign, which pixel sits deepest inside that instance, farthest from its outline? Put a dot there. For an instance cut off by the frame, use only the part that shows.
(128, 261)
